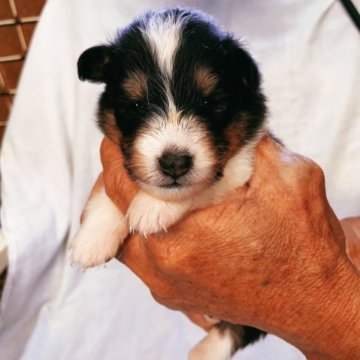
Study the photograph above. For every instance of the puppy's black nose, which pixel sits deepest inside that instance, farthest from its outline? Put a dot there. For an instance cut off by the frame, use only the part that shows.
(175, 164)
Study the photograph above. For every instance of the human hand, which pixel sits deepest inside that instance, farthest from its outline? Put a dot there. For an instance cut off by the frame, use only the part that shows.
(269, 256)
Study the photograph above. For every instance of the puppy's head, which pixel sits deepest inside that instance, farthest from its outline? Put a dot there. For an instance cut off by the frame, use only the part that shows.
(181, 98)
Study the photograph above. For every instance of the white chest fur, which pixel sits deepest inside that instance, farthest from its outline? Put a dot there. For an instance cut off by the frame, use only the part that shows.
(105, 227)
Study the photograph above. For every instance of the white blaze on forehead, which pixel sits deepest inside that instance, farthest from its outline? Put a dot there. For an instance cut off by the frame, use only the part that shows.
(163, 35)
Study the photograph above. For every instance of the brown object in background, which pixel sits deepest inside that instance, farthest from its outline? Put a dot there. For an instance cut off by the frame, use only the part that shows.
(11, 72)
(9, 40)
(28, 30)
(5, 10)
(27, 8)
(18, 19)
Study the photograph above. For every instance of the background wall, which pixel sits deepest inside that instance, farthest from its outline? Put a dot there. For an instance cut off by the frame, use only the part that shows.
(18, 19)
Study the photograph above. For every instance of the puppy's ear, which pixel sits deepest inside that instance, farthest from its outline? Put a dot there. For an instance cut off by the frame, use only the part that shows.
(93, 62)
(241, 65)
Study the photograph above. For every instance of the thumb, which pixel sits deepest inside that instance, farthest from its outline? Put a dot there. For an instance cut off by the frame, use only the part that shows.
(118, 185)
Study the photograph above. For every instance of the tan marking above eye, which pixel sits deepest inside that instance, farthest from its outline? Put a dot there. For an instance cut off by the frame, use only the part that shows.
(136, 85)
(205, 80)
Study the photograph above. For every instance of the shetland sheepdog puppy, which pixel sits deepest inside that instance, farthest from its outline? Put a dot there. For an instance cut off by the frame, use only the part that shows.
(183, 101)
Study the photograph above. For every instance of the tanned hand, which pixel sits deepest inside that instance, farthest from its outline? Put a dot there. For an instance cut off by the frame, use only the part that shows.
(271, 255)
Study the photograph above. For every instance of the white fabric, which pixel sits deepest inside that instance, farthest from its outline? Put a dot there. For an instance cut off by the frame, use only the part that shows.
(309, 53)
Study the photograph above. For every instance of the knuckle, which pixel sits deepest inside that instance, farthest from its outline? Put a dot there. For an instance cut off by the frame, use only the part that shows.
(317, 173)
(160, 292)
(312, 169)
(173, 302)
(310, 176)
(157, 297)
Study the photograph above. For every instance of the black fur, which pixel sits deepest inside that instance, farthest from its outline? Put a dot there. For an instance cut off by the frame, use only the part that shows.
(242, 335)
(92, 63)
(237, 98)
(251, 334)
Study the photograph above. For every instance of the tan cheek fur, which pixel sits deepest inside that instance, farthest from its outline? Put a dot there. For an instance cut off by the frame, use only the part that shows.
(213, 157)
(234, 134)
(138, 163)
(235, 137)
(108, 125)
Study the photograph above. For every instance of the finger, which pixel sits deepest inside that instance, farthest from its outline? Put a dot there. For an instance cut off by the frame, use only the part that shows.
(118, 185)
(268, 162)
(200, 320)
(277, 165)
(133, 254)
(270, 151)
(178, 302)
(138, 259)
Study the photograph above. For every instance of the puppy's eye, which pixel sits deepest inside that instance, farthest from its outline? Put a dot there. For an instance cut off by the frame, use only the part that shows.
(137, 106)
(204, 103)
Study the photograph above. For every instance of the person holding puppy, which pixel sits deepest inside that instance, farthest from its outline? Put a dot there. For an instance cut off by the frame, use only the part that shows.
(243, 260)
(272, 255)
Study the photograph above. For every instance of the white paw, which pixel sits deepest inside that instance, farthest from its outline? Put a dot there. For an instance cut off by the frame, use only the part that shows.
(149, 215)
(216, 345)
(100, 235)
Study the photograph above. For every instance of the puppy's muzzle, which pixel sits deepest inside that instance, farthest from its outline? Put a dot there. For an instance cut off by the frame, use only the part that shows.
(175, 165)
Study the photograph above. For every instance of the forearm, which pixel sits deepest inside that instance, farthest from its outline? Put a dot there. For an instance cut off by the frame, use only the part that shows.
(330, 329)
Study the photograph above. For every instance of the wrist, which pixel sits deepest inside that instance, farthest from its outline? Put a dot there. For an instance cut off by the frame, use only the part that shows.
(334, 329)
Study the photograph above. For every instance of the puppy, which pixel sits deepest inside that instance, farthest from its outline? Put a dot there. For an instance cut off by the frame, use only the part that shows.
(183, 101)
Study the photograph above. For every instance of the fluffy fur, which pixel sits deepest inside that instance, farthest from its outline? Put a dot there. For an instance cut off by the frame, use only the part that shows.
(183, 101)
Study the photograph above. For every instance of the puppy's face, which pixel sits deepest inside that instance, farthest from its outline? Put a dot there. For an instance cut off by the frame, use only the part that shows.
(181, 98)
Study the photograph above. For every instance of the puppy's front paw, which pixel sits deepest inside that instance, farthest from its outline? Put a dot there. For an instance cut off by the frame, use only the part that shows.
(101, 234)
(149, 215)
(94, 247)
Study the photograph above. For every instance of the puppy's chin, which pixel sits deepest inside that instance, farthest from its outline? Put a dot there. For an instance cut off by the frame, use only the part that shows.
(177, 194)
